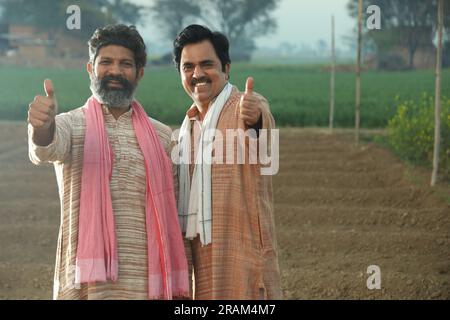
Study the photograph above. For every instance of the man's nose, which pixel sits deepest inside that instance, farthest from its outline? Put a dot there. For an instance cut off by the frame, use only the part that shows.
(114, 69)
(198, 72)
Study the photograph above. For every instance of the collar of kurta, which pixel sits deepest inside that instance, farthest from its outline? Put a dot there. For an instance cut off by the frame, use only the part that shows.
(127, 113)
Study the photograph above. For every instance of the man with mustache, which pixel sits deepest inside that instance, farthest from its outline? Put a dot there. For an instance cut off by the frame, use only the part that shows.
(225, 209)
(119, 236)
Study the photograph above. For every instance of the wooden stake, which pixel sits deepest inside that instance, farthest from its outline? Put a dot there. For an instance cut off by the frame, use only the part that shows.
(358, 74)
(437, 98)
(333, 75)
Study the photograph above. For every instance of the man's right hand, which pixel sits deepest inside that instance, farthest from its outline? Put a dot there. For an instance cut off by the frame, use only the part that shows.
(42, 111)
(41, 115)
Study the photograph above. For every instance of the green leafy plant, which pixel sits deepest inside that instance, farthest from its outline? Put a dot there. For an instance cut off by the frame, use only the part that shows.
(411, 132)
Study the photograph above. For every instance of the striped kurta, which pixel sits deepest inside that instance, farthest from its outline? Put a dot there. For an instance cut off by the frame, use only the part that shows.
(128, 201)
(242, 260)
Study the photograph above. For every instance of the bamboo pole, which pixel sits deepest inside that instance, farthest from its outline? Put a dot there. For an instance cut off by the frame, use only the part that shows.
(437, 98)
(333, 74)
(358, 75)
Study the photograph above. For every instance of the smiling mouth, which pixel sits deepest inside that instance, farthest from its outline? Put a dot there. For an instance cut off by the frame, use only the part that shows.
(200, 84)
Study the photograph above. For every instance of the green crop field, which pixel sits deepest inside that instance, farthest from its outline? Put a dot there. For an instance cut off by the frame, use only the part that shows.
(298, 94)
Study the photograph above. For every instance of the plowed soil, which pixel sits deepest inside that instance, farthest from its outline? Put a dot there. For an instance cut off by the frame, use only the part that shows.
(340, 208)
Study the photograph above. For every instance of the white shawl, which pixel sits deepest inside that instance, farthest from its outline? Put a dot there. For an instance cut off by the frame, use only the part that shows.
(194, 203)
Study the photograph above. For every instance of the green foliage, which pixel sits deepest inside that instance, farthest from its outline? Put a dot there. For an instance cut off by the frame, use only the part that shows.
(407, 23)
(411, 132)
(51, 15)
(173, 16)
(298, 94)
(242, 21)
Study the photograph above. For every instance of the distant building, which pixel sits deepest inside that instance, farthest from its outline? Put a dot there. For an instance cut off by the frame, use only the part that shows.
(424, 57)
(25, 45)
(398, 59)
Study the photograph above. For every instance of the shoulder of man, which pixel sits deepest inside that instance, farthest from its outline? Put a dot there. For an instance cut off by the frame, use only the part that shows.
(164, 132)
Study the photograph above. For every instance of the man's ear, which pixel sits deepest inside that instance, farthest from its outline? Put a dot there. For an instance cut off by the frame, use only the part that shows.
(89, 68)
(140, 74)
(227, 70)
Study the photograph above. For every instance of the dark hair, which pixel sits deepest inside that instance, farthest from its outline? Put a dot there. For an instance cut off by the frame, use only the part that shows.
(196, 33)
(121, 35)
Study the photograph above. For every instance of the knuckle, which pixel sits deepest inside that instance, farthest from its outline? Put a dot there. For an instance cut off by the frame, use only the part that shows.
(48, 102)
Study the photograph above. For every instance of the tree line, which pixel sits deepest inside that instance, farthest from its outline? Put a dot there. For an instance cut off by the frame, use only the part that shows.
(411, 24)
(50, 15)
(241, 20)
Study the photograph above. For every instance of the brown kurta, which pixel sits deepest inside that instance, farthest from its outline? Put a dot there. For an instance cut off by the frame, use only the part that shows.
(242, 261)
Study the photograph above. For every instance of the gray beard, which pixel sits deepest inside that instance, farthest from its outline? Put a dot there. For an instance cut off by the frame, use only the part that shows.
(113, 98)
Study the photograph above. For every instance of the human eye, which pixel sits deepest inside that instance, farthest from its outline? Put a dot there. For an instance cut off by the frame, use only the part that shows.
(128, 64)
(187, 67)
(208, 64)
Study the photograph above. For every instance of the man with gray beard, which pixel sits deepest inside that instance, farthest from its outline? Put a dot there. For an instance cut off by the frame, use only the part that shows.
(119, 236)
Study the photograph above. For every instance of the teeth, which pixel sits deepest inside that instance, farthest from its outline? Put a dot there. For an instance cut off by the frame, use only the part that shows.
(200, 84)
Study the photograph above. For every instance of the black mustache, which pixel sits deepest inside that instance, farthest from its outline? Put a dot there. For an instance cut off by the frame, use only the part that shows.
(124, 82)
(199, 80)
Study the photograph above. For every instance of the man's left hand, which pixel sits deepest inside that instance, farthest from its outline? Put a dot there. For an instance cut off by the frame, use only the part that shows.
(249, 106)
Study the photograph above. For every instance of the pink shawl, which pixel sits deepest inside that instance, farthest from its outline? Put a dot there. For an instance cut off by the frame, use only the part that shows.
(97, 255)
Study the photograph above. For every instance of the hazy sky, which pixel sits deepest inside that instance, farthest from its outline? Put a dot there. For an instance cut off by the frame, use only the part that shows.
(299, 21)
(306, 21)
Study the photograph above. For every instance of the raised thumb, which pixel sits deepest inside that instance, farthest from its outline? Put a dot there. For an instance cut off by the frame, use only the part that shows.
(249, 85)
(48, 87)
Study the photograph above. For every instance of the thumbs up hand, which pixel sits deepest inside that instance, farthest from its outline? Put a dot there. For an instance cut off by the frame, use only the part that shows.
(249, 106)
(42, 110)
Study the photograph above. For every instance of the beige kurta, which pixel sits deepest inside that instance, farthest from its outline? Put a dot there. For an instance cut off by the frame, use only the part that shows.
(128, 201)
(242, 261)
